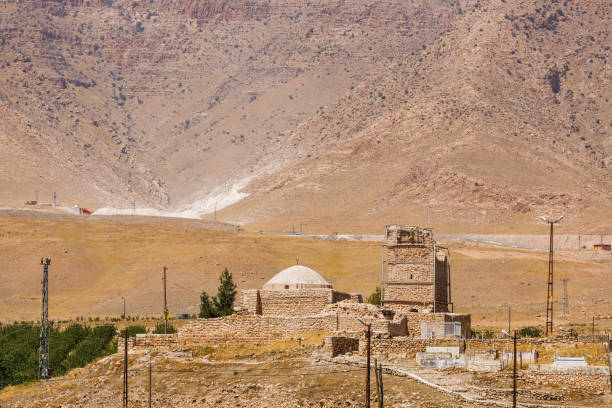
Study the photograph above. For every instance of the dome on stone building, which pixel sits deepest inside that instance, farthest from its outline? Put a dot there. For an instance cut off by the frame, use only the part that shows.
(297, 277)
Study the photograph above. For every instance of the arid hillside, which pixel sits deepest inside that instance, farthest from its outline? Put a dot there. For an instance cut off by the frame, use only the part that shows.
(95, 263)
(505, 117)
(163, 102)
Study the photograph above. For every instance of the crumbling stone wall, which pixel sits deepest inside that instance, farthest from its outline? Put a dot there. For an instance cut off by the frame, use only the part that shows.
(592, 383)
(148, 340)
(335, 345)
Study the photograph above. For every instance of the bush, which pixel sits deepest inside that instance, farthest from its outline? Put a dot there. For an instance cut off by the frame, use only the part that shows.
(530, 331)
(374, 298)
(133, 331)
(159, 329)
(483, 333)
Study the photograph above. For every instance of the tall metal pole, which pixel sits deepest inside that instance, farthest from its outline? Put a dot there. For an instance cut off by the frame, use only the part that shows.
(368, 368)
(123, 315)
(165, 305)
(514, 379)
(549, 299)
(43, 351)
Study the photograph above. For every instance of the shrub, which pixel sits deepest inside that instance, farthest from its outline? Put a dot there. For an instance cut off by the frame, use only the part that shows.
(530, 331)
(159, 329)
(133, 331)
(374, 298)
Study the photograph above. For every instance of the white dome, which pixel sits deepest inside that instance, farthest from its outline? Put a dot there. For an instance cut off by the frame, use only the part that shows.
(297, 277)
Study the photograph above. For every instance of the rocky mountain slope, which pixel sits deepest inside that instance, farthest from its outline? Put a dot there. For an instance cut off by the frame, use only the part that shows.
(456, 114)
(504, 117)
(161, 101)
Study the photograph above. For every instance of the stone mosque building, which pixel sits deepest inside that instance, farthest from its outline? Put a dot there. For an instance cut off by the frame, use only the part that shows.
(298, 301)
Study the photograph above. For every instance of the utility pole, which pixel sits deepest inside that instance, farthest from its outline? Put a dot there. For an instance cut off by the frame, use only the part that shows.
(150, 382)
(514, 379)
(509, 317)
(123, 315)
(125, 371)
(54, 199)
(382, 387)
(565, 301)
(43, 351)
(549, 299)
(165, 305)
(507, 334)
(368, 368)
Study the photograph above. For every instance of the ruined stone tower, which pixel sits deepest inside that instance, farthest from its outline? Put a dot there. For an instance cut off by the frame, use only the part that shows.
(415, 271)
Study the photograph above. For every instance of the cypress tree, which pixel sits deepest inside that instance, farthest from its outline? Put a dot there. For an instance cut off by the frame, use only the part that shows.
(226, 295)
(207, 309)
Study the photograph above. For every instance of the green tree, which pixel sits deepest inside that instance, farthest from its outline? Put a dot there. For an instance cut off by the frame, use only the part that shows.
(207, 309)
(223, 303)
(374, 298)
(226, 294)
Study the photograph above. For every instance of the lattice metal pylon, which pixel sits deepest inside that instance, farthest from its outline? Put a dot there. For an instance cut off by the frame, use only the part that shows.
(549, 297)
(43, 351)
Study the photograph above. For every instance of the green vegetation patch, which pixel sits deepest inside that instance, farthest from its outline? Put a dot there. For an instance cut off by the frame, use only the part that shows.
(74, 346)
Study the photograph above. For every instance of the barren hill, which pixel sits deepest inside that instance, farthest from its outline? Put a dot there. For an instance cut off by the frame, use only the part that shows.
(504, 117)
(163, 101)
(340, 115)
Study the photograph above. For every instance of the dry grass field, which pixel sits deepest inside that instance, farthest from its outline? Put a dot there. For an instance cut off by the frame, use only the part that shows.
(97, 262)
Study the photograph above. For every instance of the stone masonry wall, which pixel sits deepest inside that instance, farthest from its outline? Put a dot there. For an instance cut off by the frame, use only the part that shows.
(248, 328)
(251, 300)
(335, 345)
(148, 340)
(290, 302)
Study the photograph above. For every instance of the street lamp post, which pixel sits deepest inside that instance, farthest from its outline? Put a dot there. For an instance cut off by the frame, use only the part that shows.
(549, 299)
(514, 368)
(368, 334)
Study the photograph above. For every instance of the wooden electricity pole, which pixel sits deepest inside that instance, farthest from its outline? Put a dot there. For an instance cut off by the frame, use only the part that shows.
(150, 383)
(509, 317)
(369, 334)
